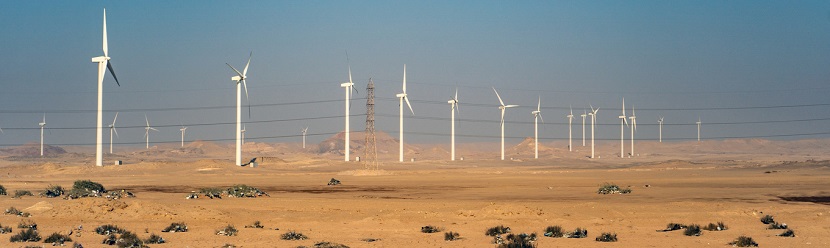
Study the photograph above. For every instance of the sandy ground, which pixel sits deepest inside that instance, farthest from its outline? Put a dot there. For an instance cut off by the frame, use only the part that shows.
(686, 184)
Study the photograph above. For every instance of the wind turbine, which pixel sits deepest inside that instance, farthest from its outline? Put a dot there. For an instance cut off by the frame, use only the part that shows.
(349, 86)
(698, 129)
(401, 98)
(304, 132)
(243, 134)
(183, 130)
(112, 130)
(622, 129)
(240, 80)
(453, 108)
(147, 131)
(660, 121)
(103, 65)
(593, 115)
(42, 125)
(570, 129)
(633, 118)
(503, 107)
(537, 114)
(584, 114)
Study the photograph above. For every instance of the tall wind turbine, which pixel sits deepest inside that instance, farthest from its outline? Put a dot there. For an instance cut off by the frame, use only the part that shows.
(112, 130)
(103, 65)
(502, 107)
(622, 129)
(304, 132)
(183, 130)
(570, 129)
(240, 80)
(537, 114)
(147, 132)
(593, 115)
(453, 108)
(633, 118)
(243, 134)
(401, 97)
(698, 129)
(584, 114)
(42, 125)
(660, 121)
(349, 86)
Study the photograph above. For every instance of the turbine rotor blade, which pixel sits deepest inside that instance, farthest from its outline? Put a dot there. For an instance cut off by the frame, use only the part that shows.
(404, 78)
(409, 105)
(114, 119)
(115, 130)
(235, 70)
(105, 48)
(112, 72)
(245, 71)
(497, 95)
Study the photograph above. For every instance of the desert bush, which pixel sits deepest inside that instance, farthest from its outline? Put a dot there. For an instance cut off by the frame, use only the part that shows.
(292, 235)
(715, 227)
(431, 229)
(52, 191)
(776, 225)
(21, 193)
(77, 245)
(325, 244)
(242, 190)
(767, 219)
(578, 233)
(129, 240)
(28, 224)
(228, 230)
(5, 229)
(108, 229)
(497, 230)
(607, 237)
(154, 239)
(211, 192)
(787, 233)
(57, 239)
(692, 230)
(26, 235)
(333, 182)
(228, 246)
(85, 188)
(118, 194)
(522, 240)
(610, 188)
(176, 227)
(451, 236)
(15, 211)
(554, 232)
(256, 224)
(110, 239)
(744, 241)
(3, 190)
(673, 227)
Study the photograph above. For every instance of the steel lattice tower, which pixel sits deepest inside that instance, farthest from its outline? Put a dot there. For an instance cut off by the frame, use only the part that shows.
(370, 154)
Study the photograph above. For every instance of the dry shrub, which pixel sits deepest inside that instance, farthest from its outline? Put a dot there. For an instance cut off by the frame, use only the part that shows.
(497, 230)
(744, 241)
(692, 230)
(57, 239)
(228, 230)
(431, 229)
(292, 235)
(716, 227)
(554, 232)
(21, 193)
(26, 235)
(451, 236)
(176, 227)
(607, 237)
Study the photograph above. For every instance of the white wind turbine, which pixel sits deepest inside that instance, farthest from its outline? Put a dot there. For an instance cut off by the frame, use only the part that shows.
(633, 118)
(183, 130)
(502, 107)
(593, 115)
(103, 65)
(537, 114)
(698, 129)
(570, 129)
(305, 130)
(240, 79)
(42, 125)
(112, 130)
(147, 132)
(349, 86)
(453, 108)
(243, 134)
(660, 121)
(583, 115)
(623, 123)
(401, 97)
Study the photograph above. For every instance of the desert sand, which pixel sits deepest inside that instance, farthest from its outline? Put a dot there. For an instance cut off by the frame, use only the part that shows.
(733, 181)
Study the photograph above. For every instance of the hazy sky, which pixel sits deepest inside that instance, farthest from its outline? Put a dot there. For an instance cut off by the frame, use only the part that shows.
(722, 61)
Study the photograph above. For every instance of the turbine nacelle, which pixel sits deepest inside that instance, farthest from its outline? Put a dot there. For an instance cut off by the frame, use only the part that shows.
(100, 59)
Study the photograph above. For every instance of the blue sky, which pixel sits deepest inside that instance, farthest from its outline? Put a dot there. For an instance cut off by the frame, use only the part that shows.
(678, 59)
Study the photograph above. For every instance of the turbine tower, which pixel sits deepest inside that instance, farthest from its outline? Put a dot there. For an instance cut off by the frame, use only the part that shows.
(453, 108)
(537, 114)
(502, 107)
(622, 129)
(103, 65)
(401, 97)
(593, 115)
(660, 121)
(584, 114)
(183, 130)
(147, 132)
(305, 130)
(633, 118)
(42, 125)
(570, 129)
(698, 129)
(240, 80)
(112, 130)
(349, 86)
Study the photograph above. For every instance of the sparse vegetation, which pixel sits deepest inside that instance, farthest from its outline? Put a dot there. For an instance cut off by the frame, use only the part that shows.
(776, 225)
(242, 190)
(108, 229)
(292, 235)
(85, 188)
(21, 193)
(333, 182)
(176, 227)
(554, 232)
(57, 239)
(26, 235)
(228, 246)
(211, 192)
(578, 233)
(610, 188)
(5, 229)
(451, 236)
(28, 224)
(129, 240)
(3, 190)
(431, 229)
(256, 224)
(767, 219)
(787, 233)
(716, 227)
(692, 230)
(154, 239)
(673, 227)
(52, 191)
(325, 244)
(497, 230)
(521, 240)
(228, 230)
(744, 241)
(15, 211)
(607, 237)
